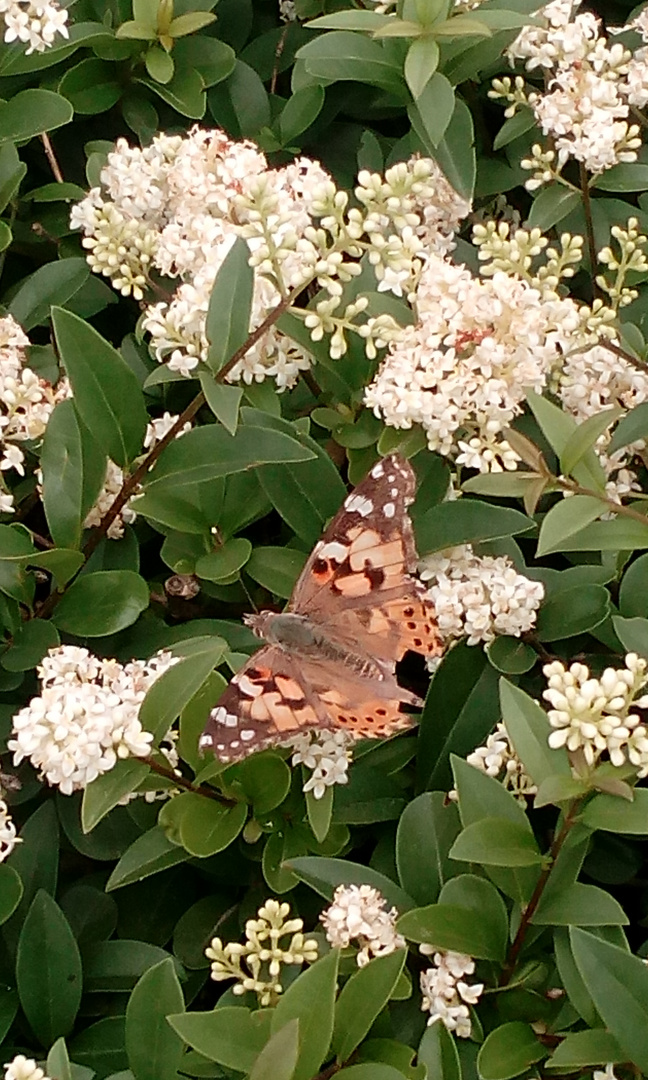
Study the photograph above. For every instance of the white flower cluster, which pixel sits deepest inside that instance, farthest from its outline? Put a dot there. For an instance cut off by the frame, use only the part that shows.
(26, 401)
(463, 369)
(177, 206)
(263, 953)
(497, 758)
(479, 596)
(23, 1068)
(359, 913)
(446, 994)
(86, 717)
(586, 106)
(327, 755)
(34, 22)
(598, 716)
(8, 838)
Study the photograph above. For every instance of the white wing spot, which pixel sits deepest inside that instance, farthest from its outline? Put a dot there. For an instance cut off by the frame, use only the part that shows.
(222, 716)
(378, 471)
(358, 504)
(333, 550)
(393, 492)
(391, 478)
(389, 510)
(234, 744)
(204, 741)
(247, 735)
(246, 686)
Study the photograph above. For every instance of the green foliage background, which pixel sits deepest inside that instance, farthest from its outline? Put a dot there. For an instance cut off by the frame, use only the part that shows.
(106, 909)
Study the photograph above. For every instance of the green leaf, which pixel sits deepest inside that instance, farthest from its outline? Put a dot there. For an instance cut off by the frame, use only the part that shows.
(558, 789)
(115, 966)
(53, 283)
(91, 86)
(104, 793)
(431, 112)
(627, 176)
(616, 815)
(579, 905)
(229, 1035)
(319, 812)
(584, 438)
(154, 1049)
(438, 1052)
(631, 427)
(370, 1071)
(618, 984)
(58, 1062)
(510, 655)
(455, 154)
(426, 831)
(159, 65)
(226, 561)
(223, 400)
(496, 842)
(207, 827)
(529, 729)
(48, 970)
(344, 55)
(102, 603)
(310, 999)
(74, 469)
(278, 1059)
(173, 691)
(189, 23)
(566, 518)
(149, 854)
(100, 1048)
(582, 1048)
(265, 779)
(11, 890)
(185, 92)
(573, 611)
(508, 1051)
(107, 394)
(633, 593)
(30, 644)
(361, 1000)
(558, 428)
(632, 633)
(458, 927)
(351, 20)
(300, 111)
(420, 64)
(324, 876)
(618, 534)
(276, 568)
(467, 521)
(552, 203)
(230, 305)
(240, 103)
(32, 112)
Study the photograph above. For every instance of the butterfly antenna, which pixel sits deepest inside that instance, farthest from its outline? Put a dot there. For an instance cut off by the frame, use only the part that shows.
(250, 599)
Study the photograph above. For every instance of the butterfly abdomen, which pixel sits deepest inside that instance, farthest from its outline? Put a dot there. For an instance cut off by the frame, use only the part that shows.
(299, 636)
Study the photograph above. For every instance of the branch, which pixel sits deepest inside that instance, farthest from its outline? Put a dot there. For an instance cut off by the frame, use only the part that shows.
(618, 508)
(180, 781)
(635, 361)
(589, 225)
(51, 157)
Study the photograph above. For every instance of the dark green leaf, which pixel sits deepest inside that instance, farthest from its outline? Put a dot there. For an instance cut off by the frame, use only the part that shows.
(496, 842)
(154, 1049)
(107, 394)
(11, 890)
(470, 918)
(91, 86)
(48, 970)
(573, 611)
(617, 815)
(226, 561)
(100, 1048)
(510, 655)
(53, 283)
(579, 905)
(104, 793)
(230, 305)
(30, 644)
(207, 827)
(102, 603)
(582, 1048)
(508, 1051)
(265, 779)
(529, 729)
(74, 469)
(633, 594)
(438, 1052)
(324, 875)
(344, 55)
(115, 966)
(432, 110)
(300, 111)
(426, 831)
(149, 854)
(632, 633)
(467, 521)
(552, 203)
(173, 691)
(223, 400)
(632, 426)
(276, 568)
(32, 112)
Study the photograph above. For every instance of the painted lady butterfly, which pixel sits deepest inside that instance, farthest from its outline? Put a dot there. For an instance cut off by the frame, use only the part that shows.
(330, 658)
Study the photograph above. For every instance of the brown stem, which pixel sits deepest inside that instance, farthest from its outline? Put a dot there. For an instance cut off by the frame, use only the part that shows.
(636, 362)
(618, 508)
(589, 225)
(132, 482)
(536, 896)
(179, 781)
(51, 157)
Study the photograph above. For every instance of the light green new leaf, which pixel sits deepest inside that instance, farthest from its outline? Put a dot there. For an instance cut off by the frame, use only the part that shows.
(230, 306)
(107, 394)
(154, 1049)
(420, 64)
(58, 1062)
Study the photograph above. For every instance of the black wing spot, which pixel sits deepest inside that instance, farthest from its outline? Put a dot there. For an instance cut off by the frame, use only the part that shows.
(320, 566)
(381, 712)
(417, 642)
(376, 574)
(411, 626)
(408, 612)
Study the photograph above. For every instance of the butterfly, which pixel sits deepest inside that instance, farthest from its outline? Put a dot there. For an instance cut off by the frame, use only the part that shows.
(329, 661)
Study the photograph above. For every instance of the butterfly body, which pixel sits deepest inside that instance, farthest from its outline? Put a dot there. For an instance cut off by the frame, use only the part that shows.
(330, 659)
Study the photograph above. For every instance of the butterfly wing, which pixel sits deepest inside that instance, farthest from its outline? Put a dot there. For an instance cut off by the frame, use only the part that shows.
(357, 580)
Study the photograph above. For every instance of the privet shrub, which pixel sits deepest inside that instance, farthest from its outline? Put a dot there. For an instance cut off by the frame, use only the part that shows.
(311, 235)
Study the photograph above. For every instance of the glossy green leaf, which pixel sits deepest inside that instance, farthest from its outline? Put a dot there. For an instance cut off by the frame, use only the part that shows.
(617, 815)
(91, 86)
(344, 55)
(529, 729)
(467, 521)
(553, 202)
(117, 965)
(618, 534)
(510, 655)
(48, 970)
(174, 689)
(582, 1048)
(11, 890)
(102, 603)
(461, 927)
(566, 518)
(53, 283)
(633, 593)
(230, 305)
(508, 1051)
(185, 92)
(154, 1049)
(231, 1036)
(149, 854)
(277, 569)
(632, 426)
(265, 779)
(496, 842)
(579, 905)
(207, 827)
(36, 861)
(573, 611)
(618, 984)
(310, 999)
(74, 469)
(300, 111)
(30, 644)
(104, 793)
(226, 561)
(426, 831)
(278, 1059)
(58, 1062)
(362, 999)
(107, 394)
(32, 112)
(223, 400)
(324, 875)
